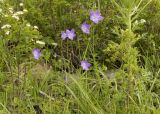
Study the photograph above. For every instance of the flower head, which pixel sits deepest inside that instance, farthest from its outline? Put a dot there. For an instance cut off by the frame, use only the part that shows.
(70, 34)
(40, 42)
(28, 25)
(35, 27)
(85, 28)
(36, 53)
(6, 26)
(95, 16)
(21, 4)
(85, 65)
(7, 32)
(63, 35)
(25, 10)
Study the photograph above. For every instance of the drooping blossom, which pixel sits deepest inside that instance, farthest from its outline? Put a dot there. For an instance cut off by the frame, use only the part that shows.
(70, 34)
(85, 65)
(85, 28)
(36, 53)
(63, 35)
(95, 16)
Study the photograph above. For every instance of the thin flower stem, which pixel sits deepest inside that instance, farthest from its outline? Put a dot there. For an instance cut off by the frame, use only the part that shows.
(85, 53)
(98, 4)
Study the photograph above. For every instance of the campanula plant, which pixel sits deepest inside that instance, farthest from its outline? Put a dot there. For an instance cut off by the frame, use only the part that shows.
(85, 28)
(70, 34)
(37, 53)
(96, 17)
(85, 65)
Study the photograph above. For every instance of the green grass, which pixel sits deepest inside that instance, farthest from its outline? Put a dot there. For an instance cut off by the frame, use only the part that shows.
(81, 93)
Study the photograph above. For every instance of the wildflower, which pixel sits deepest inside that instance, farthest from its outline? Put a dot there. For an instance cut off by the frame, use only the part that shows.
(95, 16)
(136, 22)
(21, 4)
(63, 35)
(40, 42)
(28, 25)
(35, 27)
(85, 65)
(10, 10)
(25, 10)
(70, 34)
(142, 21)
(19, 13)
(7, 32)
(6, 26)
(36, 53)
(16, 17)
(85, 28)
(16, 14)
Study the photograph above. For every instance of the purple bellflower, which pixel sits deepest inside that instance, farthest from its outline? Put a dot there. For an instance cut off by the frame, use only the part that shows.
(85, 28)
(63, 35)
(85, 65)
(36, 53)
(95, 16)
(70, 34)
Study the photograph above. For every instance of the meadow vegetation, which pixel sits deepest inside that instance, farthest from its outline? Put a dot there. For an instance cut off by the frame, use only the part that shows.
(79, 57)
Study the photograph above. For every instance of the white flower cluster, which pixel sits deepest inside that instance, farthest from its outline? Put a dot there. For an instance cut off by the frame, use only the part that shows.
(28, 25)
(10, 10)
(21, 4)
(16, 15)
(43, 43)
(35, 27)
(40, 42)
(7, 32)
(142, 21)
(6, 26)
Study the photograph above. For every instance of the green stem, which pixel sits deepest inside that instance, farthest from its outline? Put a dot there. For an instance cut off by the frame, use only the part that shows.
(129, 22)
(98, 4)
(85, 53)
